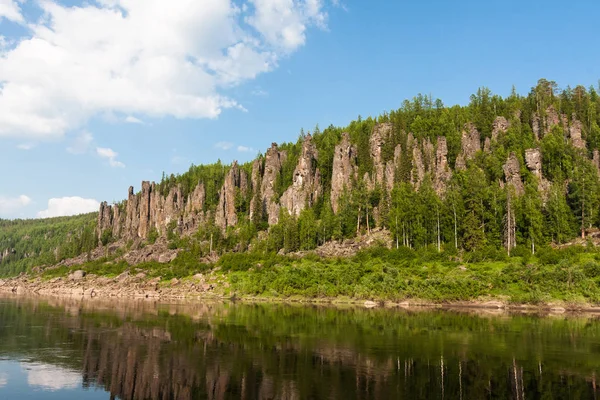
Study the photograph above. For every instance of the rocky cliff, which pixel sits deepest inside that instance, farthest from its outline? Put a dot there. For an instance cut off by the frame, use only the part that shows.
(151, 212)
(236, 184)
(345, 171)
(470, 144)
(306, 185)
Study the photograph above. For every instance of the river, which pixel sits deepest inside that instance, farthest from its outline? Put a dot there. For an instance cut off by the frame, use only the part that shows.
(97, 349)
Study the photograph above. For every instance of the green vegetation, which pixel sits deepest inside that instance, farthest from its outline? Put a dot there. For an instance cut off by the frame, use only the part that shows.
(500, 235)
(571, 275)
(28, 243)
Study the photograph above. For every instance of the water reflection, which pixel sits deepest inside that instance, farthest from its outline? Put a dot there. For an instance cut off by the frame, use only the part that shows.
(142, 350)
(50, 377)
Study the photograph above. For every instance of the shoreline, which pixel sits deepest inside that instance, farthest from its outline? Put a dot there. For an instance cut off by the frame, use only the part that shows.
(198, 289)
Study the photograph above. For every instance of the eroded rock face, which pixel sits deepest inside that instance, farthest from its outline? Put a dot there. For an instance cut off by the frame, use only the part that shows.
(255, 177)
(418, 166)
(105, 219)
(512, 174)
(575, 134)
(145, 209)
(381, 133)
(274, 160)
(551, 119)
(196, 199)
(442, 169)
(344, 170)
(533, 160)
(169, 210)
(306, 185)
(226, 213)
(470, 144)
(132, 219)
(499, 127)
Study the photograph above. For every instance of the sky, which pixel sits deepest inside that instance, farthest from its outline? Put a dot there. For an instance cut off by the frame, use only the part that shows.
(97, 96)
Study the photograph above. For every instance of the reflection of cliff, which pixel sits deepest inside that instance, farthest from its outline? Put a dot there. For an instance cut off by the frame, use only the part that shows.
(221, 351)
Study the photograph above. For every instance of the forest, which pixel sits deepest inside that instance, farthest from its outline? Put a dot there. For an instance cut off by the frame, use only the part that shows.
(477, 210)
(529, 184)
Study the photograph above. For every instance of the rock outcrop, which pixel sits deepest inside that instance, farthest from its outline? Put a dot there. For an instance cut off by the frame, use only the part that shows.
(391, 167)
(274, 160)
(442, 169)
(575, 134)
(149, 211)
(194, 214)
(550, 120)
(156, 209)
(236, 183)
(381, 134)
(306, 185)
(512, 174)
(418, 165)
(499, 127)
(470, 144)
(533, 160)
(345, 171)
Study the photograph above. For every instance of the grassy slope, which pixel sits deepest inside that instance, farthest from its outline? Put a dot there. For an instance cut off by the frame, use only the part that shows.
(570, 275)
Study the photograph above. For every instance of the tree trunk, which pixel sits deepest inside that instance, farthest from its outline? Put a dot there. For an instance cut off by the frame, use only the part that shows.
(455, 228)
(439, 246)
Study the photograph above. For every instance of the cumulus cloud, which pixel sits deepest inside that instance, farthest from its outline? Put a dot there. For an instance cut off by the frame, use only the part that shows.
(111, 155)
(51, 377)
(244, 149)
(10, 10)
(81, 143)
(9, 205)
(224, 145)
(150, 58)
(283, 23)
(63, 206)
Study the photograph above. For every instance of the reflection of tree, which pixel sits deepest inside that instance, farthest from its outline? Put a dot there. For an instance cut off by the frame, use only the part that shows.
(262, 352)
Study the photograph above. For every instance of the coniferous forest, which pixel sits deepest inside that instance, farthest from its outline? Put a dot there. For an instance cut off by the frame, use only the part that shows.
(499, 179)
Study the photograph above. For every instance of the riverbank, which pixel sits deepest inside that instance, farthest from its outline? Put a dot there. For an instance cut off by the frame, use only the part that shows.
(554, 279)
(215, 287)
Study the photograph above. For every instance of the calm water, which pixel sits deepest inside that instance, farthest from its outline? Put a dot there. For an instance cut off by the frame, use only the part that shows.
(58, 349)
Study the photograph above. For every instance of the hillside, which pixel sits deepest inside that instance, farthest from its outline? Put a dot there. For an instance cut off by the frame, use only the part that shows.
(28, 243)
(510, 174)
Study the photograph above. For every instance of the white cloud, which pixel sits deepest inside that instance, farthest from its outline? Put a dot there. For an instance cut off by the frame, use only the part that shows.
(133, 120)
(10, 10)
(283, 23)
(141, 57)
(244, 149)
(111, 155)
(3, 379)
(58, 207)
(81, 143)
(9, 205)
(51, 377)
(224, 145)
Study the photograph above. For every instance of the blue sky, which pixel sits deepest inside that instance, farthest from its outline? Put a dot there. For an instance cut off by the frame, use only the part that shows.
(101, 97)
